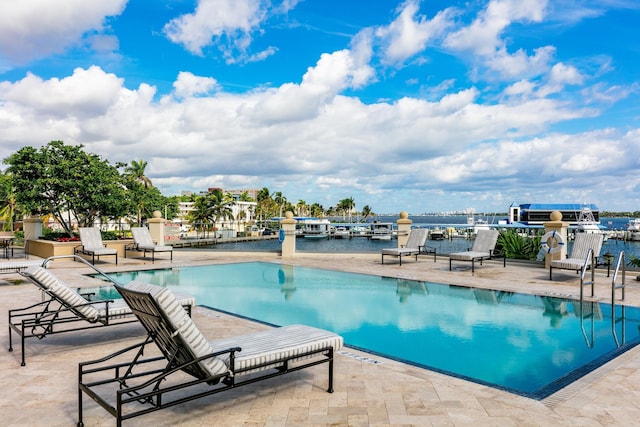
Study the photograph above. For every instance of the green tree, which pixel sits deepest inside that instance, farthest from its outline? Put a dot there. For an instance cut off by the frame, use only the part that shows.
(209, 209)
(366, 212)
(346, 206)
(135, 170)
(68, 183)
(302, 208)
(9, 208)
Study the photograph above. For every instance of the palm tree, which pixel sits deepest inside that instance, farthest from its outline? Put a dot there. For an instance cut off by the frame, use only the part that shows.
(200, 216)
(346, 206)
(8, 204)
(366, 212)
(135, 170)
(220, 206)
(316, 210)
(280, 200)
(302, 208)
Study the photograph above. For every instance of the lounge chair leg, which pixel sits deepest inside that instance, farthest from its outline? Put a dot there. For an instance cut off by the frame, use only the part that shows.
(449, 264)
(473, 266)
(80, 423)
(330, 388)
(382, 259)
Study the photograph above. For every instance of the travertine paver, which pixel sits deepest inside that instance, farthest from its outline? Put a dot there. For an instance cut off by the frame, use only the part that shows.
(366, 394)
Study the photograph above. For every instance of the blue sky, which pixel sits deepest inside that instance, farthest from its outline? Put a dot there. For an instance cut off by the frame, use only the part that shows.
(410, 105)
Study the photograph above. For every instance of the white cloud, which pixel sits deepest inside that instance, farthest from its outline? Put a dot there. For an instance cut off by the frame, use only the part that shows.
(188, 84)
(228, 24)
(36, 28)
(409, 34)
(483, 38)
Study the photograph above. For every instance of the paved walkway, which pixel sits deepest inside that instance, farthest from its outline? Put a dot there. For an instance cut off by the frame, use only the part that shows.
(367, 392)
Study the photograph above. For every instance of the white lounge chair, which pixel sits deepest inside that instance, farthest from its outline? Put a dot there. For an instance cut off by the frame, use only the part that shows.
(18, 266)
(415, 245)
(483, 248)
(146, 385)
(92, 245)
(580, 258)
(144, 243)
(65, 310)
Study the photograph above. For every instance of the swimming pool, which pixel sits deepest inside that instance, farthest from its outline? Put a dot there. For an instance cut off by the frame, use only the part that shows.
(526, 344)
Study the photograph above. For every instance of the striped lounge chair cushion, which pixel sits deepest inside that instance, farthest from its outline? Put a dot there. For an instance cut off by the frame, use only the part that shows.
(16, 266)
(100, 251)
(183, 325)
(275, 344)
(469, 255)
(51, 283)
(569, 263)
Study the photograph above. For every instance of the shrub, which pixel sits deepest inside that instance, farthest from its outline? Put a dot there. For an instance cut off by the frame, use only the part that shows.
(515, 246)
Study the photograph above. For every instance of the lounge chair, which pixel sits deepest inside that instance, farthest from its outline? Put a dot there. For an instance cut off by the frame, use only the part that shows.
(92, 245)
(483, 248)
(139, 386)
(64, 310)
(415, 246)
(580, 257)
(143, 243)
(18, 266)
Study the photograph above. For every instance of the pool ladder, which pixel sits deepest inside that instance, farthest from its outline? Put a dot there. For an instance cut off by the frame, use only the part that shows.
(589, 309)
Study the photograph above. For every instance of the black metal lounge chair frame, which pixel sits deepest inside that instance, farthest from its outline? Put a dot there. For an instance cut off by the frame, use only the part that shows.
(481, 258)
(159, 383)
(54, 316)
(133, 247)
(422, 250)
(80, 250)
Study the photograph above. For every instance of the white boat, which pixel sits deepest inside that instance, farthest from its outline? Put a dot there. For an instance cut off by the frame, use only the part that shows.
(587, 223)
(381, 230)
(633, 228)
(436, 234)
(316, 229)
(341, 233)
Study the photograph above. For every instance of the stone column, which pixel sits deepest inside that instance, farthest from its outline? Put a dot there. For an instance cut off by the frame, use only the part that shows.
(32, 228)
(404, 227)
(156, 227)
(556, 224)
(288, 226)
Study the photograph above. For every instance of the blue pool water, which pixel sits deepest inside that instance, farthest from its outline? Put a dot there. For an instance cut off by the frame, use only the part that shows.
(531, 345)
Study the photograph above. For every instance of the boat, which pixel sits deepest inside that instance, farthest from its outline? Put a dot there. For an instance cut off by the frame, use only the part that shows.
(633, 229)
(381, 230)
(341, 233)
(436, 234)
(316, 229)
(538, 213)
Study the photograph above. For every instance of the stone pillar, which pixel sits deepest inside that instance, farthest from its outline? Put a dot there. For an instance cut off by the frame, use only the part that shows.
(404, 227)
(32, 228)
(288, 226)
(556, 224)
(156, 227)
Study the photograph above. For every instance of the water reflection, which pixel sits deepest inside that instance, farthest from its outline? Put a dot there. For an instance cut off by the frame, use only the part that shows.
(405, 288)
(555, 309)
(286, 278)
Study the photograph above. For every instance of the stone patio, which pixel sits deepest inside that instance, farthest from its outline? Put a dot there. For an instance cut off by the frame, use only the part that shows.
(369, 390)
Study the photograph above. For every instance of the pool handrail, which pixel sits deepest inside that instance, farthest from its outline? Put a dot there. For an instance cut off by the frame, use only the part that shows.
(87, 263)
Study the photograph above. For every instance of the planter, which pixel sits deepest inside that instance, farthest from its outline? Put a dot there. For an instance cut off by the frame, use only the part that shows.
(48, 248)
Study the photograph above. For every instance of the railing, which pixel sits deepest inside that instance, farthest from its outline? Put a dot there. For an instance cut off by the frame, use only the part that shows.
(590, 256)
(87, 263)
(589, 335)
(621, 263)
(622, 286)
